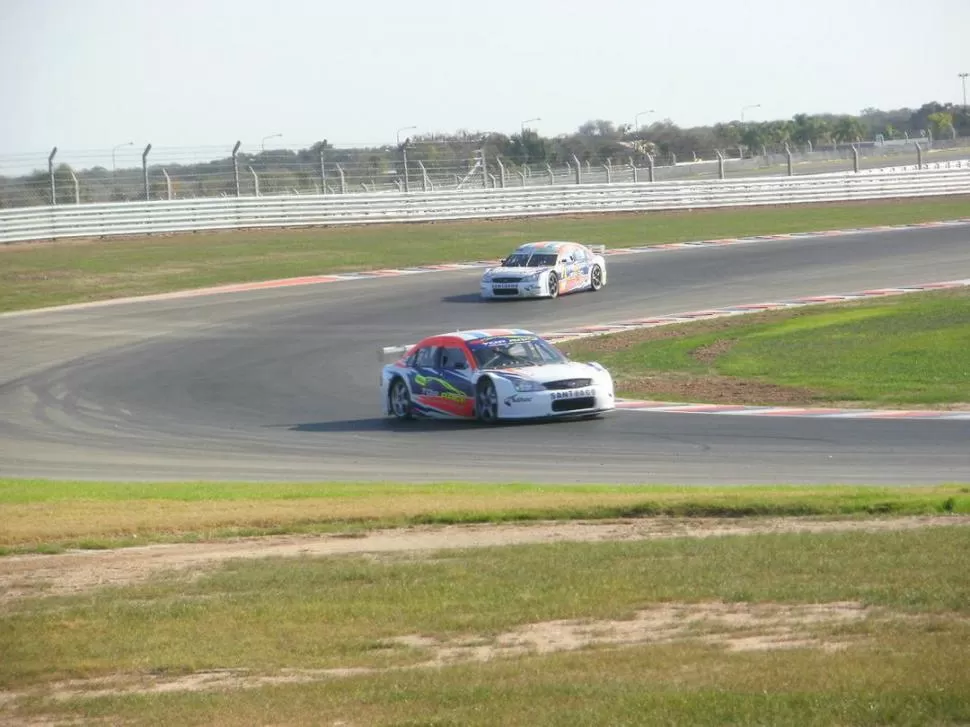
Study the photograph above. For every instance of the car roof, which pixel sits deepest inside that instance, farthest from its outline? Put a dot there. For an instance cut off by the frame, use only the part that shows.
(547, 246)
(480, 334)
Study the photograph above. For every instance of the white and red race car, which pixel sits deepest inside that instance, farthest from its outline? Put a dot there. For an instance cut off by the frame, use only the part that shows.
(491, 375)
(546, 270)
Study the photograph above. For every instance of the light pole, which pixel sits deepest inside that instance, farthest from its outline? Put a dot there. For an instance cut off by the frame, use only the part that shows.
(404, 155)
(963, 78)
(262, 143)
(403, 128)
(525, 151)
(116, 148)
(745, 108)
(636, 121)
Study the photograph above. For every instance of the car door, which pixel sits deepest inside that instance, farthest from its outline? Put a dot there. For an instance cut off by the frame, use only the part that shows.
(582, 264)
(420, 369)
(453, 373)
(572, 274)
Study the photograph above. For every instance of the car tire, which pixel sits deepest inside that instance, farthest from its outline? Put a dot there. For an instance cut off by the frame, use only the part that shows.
(596, 278)
(486, 402)
(553, 285)
(399, 400)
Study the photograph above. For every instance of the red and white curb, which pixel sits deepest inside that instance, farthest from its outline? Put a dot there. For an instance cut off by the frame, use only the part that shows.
(472, 265)
(572, 334)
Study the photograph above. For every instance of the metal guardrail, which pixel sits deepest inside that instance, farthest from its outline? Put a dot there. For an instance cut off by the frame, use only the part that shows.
(163, 216)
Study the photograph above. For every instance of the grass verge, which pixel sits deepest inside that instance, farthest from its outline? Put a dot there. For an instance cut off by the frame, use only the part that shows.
(44, 274)
(46, 516)
(840, 628)
(907, 350)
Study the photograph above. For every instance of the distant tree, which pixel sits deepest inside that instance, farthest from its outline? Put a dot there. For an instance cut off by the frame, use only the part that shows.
(941, 123)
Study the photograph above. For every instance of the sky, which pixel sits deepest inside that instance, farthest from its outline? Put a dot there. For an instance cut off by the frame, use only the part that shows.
(193, 74)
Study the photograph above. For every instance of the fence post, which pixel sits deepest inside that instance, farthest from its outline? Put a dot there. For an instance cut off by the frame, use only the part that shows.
(255, 180)
(424, 176)
(855, 158)
(144, 171)
(633, 166)
(720, 164)
(235, 165)
(673, 159)
(50, 173)
(323, 172)
(552, 176)
(788, 154)
(404, 155)
(77, 188)
(919, 156)
(579, 170)
(521, 175)
(609, 173)
(501, 171)
(650, 166)
(168, 184)
(484, 170)
(343, 181)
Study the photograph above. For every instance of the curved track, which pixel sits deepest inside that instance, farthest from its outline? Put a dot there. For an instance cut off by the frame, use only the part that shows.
(281, 384)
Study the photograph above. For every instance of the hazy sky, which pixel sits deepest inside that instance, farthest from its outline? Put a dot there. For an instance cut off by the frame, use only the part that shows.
(91, 74)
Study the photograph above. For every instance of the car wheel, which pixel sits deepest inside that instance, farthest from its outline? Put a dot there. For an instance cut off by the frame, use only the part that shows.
(400, 399)
(486, 402)
(596, 278)
(553, 285)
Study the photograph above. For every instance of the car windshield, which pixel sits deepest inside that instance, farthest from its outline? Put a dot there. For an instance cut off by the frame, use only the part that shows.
(529, 260)
(508, 352)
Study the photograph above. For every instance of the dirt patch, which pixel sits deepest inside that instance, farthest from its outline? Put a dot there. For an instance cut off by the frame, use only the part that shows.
(24, 576)
(713, 389)
(709, 354)
(732, 626)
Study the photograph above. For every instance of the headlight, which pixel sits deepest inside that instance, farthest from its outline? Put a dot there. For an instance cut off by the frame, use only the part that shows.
(526, 385)
(487, 277)
(531, 278)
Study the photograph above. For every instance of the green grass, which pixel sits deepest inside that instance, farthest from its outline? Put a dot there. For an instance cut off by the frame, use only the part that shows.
(908, 663)
(906, 350)
(45, 516)
(43, 274)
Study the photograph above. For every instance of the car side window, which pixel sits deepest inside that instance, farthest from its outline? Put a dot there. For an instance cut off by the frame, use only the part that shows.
(453, 358)
(579, 255)
(424, 357)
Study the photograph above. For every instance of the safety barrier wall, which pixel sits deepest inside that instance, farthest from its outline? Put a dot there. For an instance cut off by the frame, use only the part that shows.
(140, 218)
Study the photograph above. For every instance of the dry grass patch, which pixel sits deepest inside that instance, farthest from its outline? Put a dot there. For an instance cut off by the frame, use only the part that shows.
(24, 576)
(734, 627)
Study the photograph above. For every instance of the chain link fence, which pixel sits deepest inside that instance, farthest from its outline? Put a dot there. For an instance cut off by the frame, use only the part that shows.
(128, 172)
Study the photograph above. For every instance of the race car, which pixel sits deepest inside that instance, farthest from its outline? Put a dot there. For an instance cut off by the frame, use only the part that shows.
(491, 375)
(546, 270)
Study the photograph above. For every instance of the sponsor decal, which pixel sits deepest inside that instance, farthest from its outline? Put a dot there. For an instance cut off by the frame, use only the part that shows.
(510, 400)
(572, 394)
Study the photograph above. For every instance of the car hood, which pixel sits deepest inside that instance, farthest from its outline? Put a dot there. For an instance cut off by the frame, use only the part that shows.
(554, 372)
(515, 272)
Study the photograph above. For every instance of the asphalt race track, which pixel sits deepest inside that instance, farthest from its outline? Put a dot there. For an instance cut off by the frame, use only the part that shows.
(282, 384)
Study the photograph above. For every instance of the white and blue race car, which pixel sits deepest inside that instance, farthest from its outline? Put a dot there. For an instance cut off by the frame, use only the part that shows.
(546, 270)
(491, 375)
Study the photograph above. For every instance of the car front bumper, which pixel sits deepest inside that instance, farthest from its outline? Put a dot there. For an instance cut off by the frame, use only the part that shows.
(557, 403)
(531, 289)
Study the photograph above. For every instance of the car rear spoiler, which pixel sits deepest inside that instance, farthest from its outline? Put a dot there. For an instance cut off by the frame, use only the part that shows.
(387, 354)
(597, 249)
